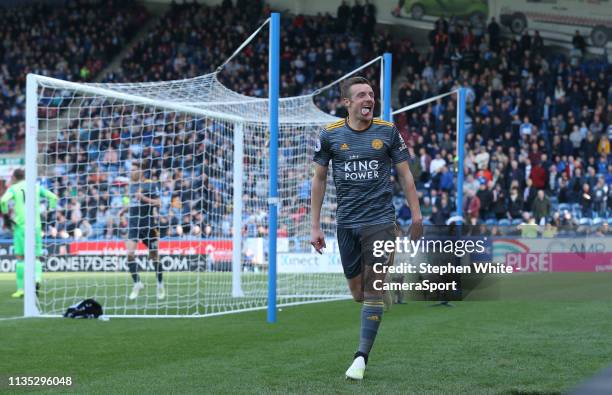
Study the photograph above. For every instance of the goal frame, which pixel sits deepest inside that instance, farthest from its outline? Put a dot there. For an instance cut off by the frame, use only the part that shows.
(30, 307)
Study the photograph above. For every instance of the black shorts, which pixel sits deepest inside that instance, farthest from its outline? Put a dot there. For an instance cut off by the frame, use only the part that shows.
(147, 231)
(356, 246)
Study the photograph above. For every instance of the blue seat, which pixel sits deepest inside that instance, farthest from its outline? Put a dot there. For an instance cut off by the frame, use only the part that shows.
(598, 221)
(576, 207)
(404, 222)
(504, 222)
(491, 222)
(516, 222)
(585, 221)
(564, 206)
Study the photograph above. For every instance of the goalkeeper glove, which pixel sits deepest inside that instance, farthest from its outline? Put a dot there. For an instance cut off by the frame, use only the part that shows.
(8, 221)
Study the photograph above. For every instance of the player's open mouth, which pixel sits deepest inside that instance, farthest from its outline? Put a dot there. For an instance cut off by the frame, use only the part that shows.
(365, 110)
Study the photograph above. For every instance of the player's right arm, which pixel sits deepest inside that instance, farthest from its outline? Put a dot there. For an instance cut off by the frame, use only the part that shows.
(6, 198)
(319, 183)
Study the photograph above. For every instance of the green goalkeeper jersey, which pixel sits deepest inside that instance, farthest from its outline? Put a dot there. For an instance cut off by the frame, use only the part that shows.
(17, 193)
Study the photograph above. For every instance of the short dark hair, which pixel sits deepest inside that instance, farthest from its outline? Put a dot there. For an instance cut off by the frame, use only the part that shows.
(345, 87)
(19, 174)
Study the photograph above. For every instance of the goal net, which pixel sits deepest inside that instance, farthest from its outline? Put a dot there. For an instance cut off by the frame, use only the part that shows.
(205, 148)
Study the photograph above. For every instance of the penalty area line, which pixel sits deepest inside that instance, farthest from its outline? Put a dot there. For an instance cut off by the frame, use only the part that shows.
(12, 318)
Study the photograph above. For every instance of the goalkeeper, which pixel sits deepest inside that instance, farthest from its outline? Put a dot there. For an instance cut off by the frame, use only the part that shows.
(16, 193)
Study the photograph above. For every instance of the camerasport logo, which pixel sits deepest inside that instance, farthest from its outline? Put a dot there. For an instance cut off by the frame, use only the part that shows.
(361, 170)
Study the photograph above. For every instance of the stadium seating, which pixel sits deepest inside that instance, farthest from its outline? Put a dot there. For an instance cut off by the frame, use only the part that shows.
(491, 222)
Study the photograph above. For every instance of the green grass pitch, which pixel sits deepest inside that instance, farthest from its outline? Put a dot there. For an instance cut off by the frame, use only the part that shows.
(544, 335)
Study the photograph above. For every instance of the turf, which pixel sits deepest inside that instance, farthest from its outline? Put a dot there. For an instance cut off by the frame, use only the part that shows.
(545, 342)
(187, 293)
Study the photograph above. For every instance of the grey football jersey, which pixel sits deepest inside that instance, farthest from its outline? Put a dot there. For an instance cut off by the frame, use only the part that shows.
(148, 188)
(361, 168)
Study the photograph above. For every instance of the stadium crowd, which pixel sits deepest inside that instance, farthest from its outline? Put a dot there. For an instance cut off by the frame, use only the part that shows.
(539, 130)
(537, 149)
(73, 42)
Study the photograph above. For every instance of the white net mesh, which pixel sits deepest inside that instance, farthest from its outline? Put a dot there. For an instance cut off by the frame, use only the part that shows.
(184, 134)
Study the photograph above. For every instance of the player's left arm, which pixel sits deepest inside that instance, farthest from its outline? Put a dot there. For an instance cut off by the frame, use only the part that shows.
(150, 201)
(152, 197)
(399, 155)
(50, 196)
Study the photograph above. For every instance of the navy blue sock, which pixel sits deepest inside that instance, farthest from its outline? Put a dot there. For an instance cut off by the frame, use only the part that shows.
(158, 271)
(371, 316)
(133, 266)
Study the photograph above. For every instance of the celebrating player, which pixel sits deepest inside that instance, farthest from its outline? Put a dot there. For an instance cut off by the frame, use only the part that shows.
(143, 225)
(16, 192)
(362, 150)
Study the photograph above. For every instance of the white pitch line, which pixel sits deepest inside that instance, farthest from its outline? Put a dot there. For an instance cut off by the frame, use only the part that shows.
(11, 318)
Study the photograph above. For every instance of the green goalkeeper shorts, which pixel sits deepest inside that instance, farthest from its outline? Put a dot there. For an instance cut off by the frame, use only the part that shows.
(19, 241)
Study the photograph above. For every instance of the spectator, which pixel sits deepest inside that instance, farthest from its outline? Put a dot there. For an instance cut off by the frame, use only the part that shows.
(579, 42)
(485, 195)
(426, 208)
(343, 16)
(541, 206)
(538, 176)
(603, 148)
(494, 31)
(472, 206)
(515, 204)
(446, 179)
(436, 164)
(600, 196)
(588, 146)
(471, 185)
(586, 200)
(529, 228)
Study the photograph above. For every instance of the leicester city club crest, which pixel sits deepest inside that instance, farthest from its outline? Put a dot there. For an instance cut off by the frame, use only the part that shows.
(377, 144)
